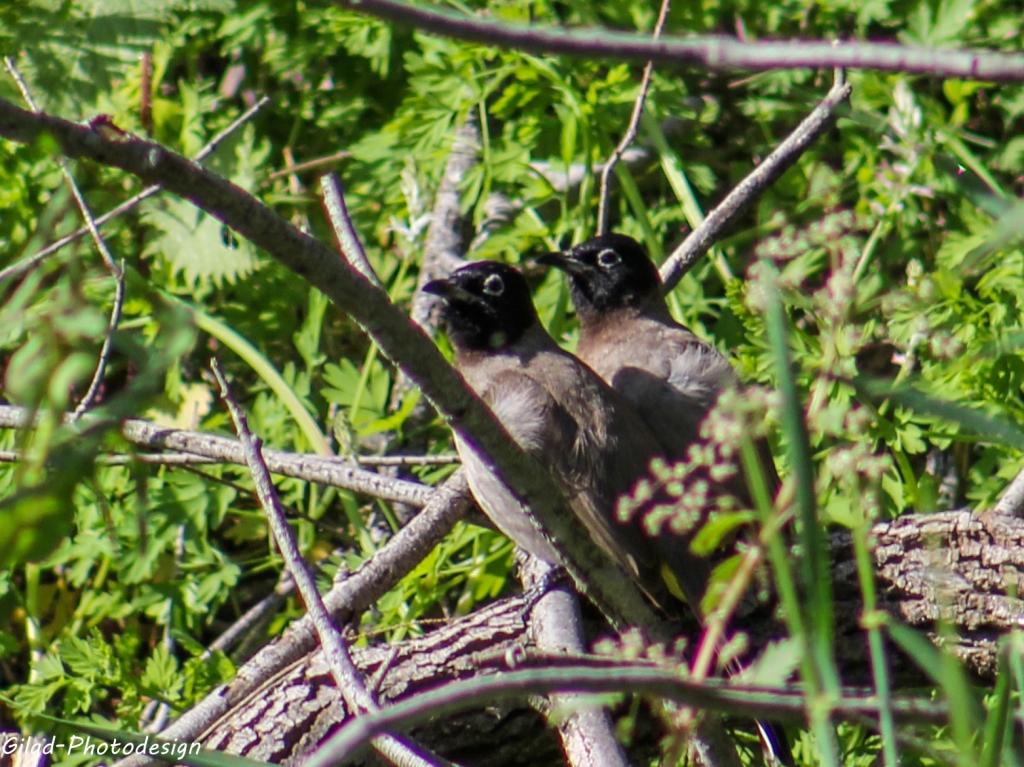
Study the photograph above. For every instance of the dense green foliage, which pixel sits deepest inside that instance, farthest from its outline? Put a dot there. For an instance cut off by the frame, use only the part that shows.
(896, 233)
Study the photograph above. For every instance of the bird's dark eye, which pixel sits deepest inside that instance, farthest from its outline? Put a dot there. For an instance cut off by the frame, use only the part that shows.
(608, 258)
(494, 285)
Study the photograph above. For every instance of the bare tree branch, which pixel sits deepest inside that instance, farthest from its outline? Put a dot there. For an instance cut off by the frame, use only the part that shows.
(630, 135)
(750, 188)
(444, 247)
(587, 734)
(344, 231)
(705, 51)
(312, 468)
(254, 617)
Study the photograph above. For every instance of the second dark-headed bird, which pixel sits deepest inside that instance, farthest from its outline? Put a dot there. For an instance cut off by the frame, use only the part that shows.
(564, 415)
(628, 337)
(667, 374)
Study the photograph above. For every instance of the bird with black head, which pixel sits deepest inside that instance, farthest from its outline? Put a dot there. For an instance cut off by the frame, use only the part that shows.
(564, 415)
(669, 376)
(629, 338)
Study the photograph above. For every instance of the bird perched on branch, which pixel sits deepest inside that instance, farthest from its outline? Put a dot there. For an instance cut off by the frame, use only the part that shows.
(565, 416)
(666, 373)
(558, 410)
(628, 337)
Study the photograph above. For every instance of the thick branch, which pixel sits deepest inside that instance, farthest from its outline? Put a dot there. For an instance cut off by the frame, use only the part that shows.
(705, 51)
(595, 574)
(588, 735)
(954, 565)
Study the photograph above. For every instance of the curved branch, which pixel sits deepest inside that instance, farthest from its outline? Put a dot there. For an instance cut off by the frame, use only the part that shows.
(705, 51)
(594, 572)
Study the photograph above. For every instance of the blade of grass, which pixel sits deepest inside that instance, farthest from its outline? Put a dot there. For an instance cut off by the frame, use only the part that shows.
(778, 556)
(672, 167)
(998, 715)
(965, 710)
(872, 621)
(823, 678)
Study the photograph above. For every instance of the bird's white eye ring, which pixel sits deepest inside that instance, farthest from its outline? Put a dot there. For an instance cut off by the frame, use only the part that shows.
(608, 258)
(494, 285)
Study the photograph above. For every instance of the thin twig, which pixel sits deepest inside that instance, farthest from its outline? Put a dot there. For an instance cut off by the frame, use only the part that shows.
(90, 222)
(117, 272)
(344, 231)
(746, 191)
(714, 52)
(254, 616)
(350, 683)
(630, 136)
(310, 164)
(305, 466)
(108, 346)
(28, 262)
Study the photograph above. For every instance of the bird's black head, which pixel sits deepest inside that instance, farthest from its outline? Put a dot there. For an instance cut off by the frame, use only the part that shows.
(486, 306)
(607, 273)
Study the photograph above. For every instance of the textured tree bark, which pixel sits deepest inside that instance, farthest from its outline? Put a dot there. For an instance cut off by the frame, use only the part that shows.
(954, 567)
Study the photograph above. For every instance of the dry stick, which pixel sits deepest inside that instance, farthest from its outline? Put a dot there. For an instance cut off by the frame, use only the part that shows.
(444, 246)
(310, 164)
(254, 616)
(108, 342)
(186, 459)
(377, 576)
(27, 263)
(588, 736)
(746, 191)
(631, 130)
(407, 460)
(1012, 500)
(704, 51)
(344, 231)
(101, 246)
(396, 750)
(312, 468)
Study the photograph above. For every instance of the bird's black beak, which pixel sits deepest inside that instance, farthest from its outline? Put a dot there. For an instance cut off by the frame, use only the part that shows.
(565, 262)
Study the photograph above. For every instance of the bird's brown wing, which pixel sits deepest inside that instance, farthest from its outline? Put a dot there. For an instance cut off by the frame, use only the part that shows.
(596, 449)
